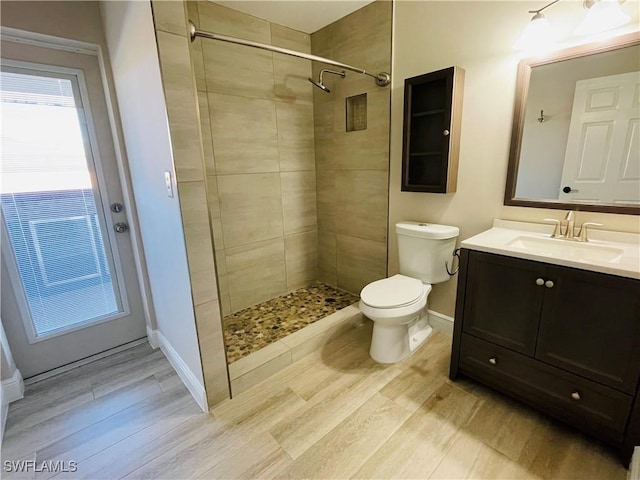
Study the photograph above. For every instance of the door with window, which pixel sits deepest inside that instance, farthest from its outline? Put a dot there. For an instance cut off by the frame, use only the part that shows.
(69, 286)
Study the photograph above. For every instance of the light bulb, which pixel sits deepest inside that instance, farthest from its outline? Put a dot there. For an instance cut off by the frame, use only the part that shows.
(602, 16)
(537, 36)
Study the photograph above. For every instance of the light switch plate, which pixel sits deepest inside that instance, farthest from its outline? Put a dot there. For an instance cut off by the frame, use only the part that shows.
(169, 184)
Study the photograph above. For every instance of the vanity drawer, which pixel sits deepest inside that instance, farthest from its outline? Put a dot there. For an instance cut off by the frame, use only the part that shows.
(568, 397)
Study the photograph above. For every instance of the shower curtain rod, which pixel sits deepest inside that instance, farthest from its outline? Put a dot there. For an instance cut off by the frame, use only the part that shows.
(382, 79)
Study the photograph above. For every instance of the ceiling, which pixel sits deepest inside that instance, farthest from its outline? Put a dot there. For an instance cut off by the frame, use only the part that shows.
(304, 15)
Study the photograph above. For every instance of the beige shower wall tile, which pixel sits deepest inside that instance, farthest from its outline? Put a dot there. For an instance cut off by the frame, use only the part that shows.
(192, 11)
(250, 208)
(298, 201)
(286, 37)
(214, 213)
(205, 128)
(295, 136)
(364, 37)
(361, 200)
(170, 17)
(181, 106)
(195, 49)
(301, 256)
(291, 79)
(327, 258)
(218, 19)
(359, 262)
(245, 134)
(223, 282)
(238, 70)
(326, 199)
(212, 351)
(256, 272)
(195, 220)
(360, 150)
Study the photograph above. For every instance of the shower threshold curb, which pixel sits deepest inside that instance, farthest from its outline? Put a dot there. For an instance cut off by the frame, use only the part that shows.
(248, 371)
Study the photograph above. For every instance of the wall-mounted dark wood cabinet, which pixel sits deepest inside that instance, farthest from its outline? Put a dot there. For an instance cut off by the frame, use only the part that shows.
(563, 340)
(432, 118)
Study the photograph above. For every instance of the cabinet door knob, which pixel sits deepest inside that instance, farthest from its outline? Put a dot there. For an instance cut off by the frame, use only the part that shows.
(493, 360)
(445, 133)
(575, 395)
(548, 284)
(539, 281)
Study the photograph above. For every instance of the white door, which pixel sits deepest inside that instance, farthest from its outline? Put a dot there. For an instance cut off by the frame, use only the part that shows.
(602, 160)
(69, 286)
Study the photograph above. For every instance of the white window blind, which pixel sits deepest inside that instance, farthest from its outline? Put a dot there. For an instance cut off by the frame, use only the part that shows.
(48, 203)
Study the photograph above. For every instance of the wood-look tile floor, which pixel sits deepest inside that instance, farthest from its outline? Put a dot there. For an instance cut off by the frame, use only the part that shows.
(333, 414)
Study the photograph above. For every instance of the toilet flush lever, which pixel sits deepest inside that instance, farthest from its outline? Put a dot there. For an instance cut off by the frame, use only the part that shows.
(456, 253)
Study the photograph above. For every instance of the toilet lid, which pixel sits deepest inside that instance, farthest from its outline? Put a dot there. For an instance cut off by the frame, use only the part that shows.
(396, 291)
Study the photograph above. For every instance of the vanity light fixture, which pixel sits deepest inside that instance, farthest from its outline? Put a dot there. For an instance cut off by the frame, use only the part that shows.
(602, 15)
(538, 34)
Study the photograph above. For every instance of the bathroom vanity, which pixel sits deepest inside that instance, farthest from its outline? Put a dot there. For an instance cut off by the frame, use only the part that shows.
(555, 324)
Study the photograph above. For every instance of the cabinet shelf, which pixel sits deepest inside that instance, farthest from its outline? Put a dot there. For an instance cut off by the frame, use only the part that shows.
(432, 118)
(424, 154)
(428, 112)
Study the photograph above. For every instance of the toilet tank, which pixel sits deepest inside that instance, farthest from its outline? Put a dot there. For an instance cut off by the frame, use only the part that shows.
(424, 248)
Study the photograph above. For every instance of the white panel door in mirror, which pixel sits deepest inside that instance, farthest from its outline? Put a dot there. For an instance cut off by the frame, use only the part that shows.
(602, 160)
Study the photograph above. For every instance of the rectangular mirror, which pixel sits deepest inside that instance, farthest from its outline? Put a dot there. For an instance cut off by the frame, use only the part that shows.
(575, 142)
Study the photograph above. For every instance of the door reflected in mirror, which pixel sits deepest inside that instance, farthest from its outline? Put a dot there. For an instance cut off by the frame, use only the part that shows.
(576, 135)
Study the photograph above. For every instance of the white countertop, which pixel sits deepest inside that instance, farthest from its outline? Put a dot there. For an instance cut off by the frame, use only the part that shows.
(502, 239)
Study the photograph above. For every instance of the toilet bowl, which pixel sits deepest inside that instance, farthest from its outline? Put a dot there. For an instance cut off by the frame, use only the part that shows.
(397, 305)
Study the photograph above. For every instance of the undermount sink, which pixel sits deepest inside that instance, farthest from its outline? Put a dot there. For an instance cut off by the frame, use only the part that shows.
(616, 253)
(582, 252)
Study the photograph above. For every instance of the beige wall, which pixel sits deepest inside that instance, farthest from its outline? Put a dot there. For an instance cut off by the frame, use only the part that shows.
(133, 55)
(352, 167)
(256, 112)
(181, 98)
(477, 36)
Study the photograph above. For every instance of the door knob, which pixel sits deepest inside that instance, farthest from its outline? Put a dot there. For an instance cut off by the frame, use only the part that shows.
(576, 395)
(549, 284)
(493, 360)
(121, 227)
(445, 133)
(539, 281)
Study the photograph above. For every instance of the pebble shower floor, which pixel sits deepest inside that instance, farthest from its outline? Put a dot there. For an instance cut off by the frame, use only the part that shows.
(253, 328)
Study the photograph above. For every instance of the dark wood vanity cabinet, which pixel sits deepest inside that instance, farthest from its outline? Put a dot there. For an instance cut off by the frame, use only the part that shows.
(432, 118)
(563, 340)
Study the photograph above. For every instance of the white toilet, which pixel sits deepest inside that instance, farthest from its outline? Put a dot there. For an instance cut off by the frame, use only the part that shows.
(397, 304)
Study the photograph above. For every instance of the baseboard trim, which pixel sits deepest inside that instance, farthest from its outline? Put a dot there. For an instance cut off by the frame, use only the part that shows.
(634, 467)
(11, 389)
(441, 322)
(186, 375)
(152, 337)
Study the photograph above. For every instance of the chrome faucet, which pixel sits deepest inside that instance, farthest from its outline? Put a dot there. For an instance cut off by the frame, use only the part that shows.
(569, 228)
